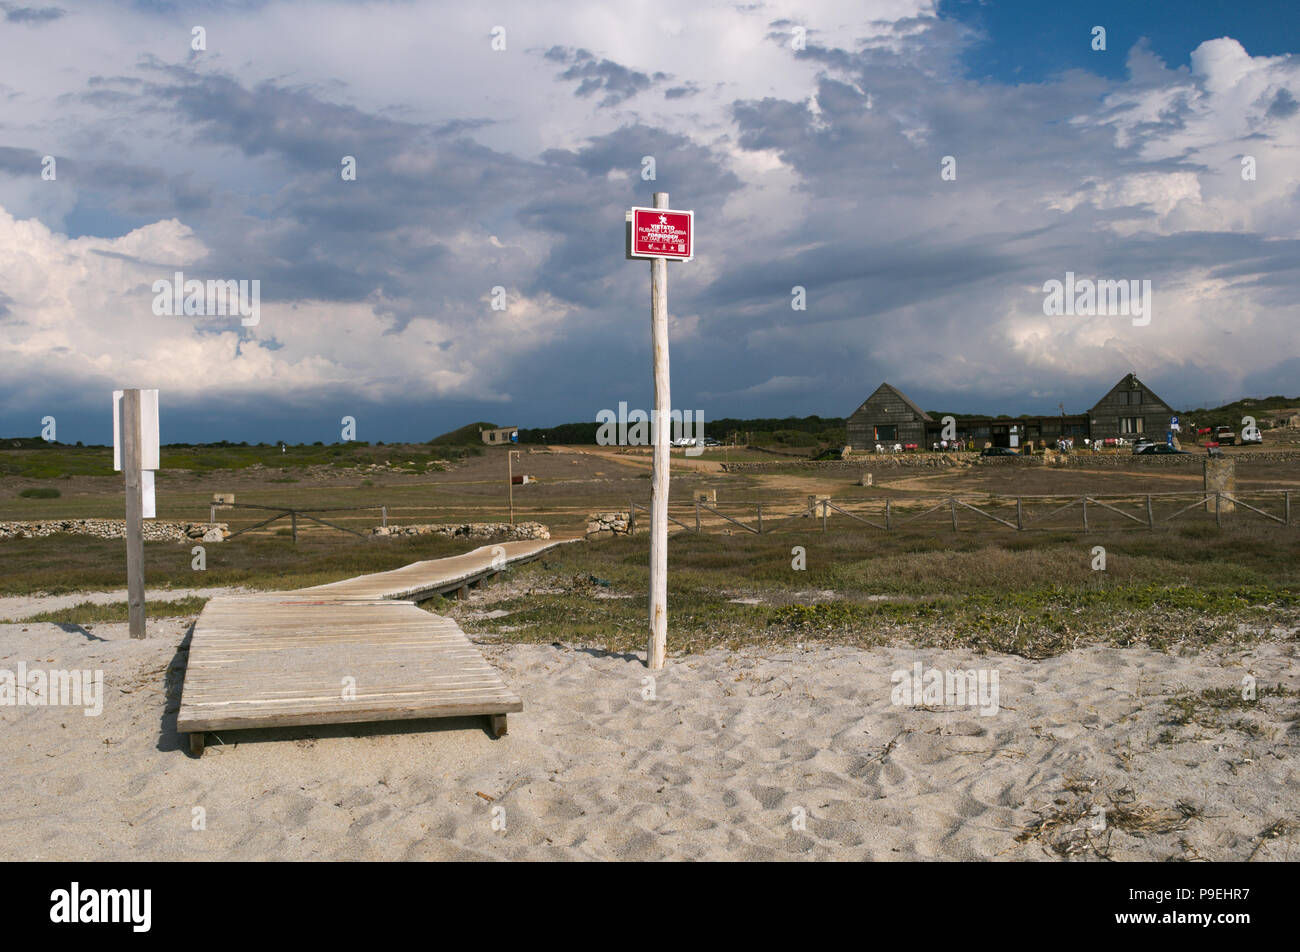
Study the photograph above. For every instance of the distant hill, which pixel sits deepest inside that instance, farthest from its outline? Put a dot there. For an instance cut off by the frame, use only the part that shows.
(1263, 409)
(467, 435)
(807, 431)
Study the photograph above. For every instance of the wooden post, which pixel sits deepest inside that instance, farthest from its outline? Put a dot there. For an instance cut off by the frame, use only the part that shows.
(631, 518)
(1151, 519)
(823, 515)
(212, 514)
(1286, 508)
(658, 642)
(293, 519)
(384, 512)
(1218, 508)
(1020, 516)
(952, 504)
(760, 514)
(697, 515)
(888, 513)
(132, 458)
(1085, 513)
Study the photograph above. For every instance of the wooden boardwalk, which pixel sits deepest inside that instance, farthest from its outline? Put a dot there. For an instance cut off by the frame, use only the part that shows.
(348, 652)
(421, 580)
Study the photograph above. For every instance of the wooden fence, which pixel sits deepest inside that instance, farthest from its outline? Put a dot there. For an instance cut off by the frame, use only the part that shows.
(292, 514)
(1021, 513)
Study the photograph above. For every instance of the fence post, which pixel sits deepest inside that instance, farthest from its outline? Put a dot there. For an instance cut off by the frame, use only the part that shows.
(1151, 519)
(823, 515)
(631, 518)
(1287, 507)
(760, 518)
(952, 504)
(212, 514)
(888, 513)
(293, 518)
(1218, 515)
(1085, 513)
(385, 515)
(1020, 521)
(697, 515)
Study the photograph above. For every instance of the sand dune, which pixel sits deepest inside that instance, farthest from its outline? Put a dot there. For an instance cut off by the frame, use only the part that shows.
(734, 748)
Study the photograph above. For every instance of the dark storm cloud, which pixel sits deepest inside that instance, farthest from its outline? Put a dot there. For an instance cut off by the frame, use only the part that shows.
(681, 92)
(1283, 106)
(617, 82)
(20, 161)
(584, 212)
(35, 15)
(332, 239)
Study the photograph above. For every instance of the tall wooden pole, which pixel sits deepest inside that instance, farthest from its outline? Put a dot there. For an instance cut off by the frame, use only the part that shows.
(510, 481)
(132, 453)
(658, 644)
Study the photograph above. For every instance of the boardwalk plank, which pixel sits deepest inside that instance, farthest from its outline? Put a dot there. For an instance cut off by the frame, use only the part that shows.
(279, 659)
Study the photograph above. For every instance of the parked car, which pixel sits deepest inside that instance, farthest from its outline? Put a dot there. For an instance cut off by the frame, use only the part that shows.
(998, 451)
(1224, 436)
(710, 441)
(682, 442)
(1158, 449)
(1252, 438)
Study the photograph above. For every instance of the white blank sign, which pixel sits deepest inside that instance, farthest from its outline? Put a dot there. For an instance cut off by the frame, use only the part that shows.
(148, 430)
(146, 494)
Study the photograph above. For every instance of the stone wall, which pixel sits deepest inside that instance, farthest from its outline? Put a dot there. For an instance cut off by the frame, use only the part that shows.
(612, 523)
(857, 464)
(1128, 460)
(116, 529)
(471, 530)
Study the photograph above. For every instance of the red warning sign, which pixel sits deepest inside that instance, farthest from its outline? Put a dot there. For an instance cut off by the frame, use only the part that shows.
(661, 233)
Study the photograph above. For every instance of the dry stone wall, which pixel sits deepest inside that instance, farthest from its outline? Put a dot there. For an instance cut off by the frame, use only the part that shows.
(472, 530)
(116, 529)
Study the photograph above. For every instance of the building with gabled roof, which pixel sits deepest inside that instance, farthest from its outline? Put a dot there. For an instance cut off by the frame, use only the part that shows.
(1129, 411)
(886, 417)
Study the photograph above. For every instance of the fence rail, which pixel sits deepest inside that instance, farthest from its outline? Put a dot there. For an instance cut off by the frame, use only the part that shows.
(292, 513)
(885, 514)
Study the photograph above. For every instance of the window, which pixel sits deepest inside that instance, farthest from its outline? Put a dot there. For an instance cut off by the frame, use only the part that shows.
(1135, 398)
(886, 432)
(1130, 425)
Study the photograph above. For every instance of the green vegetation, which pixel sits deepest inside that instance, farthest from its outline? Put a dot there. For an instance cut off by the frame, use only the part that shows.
(54, 460)
(97, 613)
(466, 436)
(1230, 414)
(810, 432)
(60, 564)
(1033, 596)
(40, 492)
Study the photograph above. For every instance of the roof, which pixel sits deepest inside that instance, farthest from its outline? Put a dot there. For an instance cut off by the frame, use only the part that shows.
(901, 396)
(1130, 381)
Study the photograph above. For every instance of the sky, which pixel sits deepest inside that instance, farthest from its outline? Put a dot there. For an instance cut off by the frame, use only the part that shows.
(921, 170)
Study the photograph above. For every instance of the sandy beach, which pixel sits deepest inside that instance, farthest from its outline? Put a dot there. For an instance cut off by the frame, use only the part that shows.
(797, 754)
